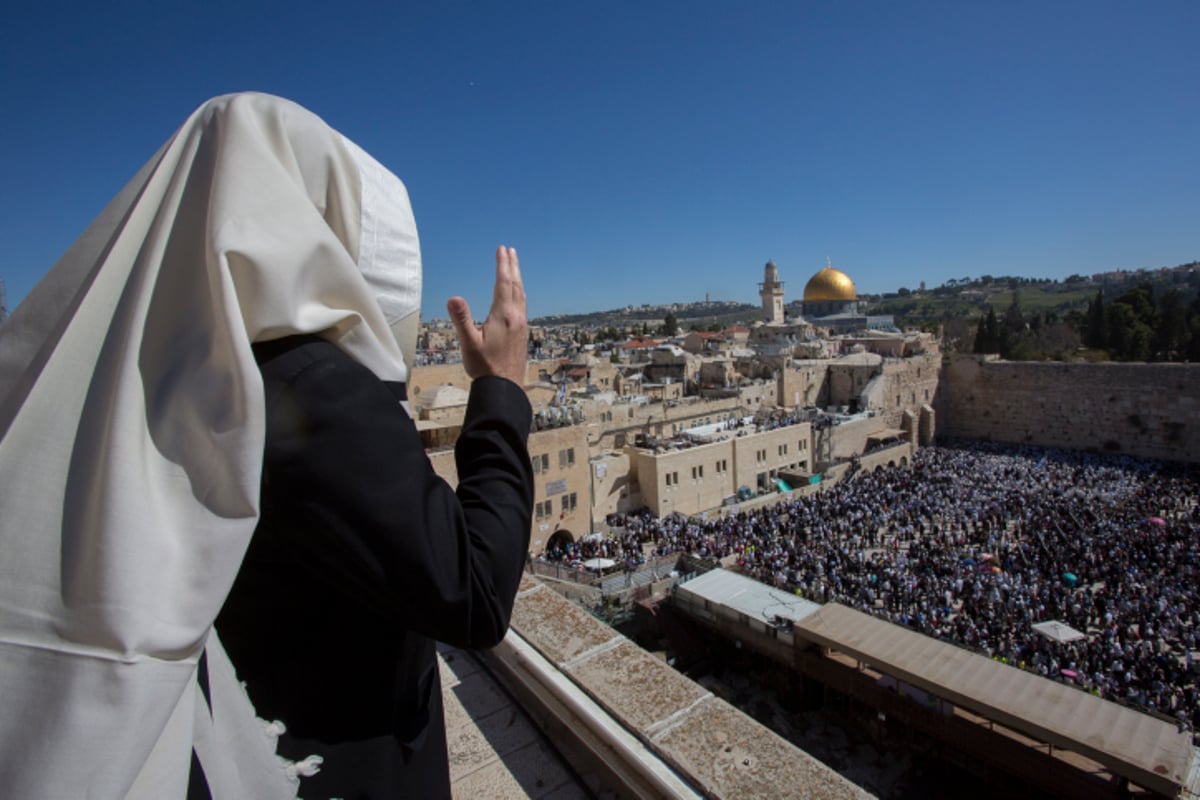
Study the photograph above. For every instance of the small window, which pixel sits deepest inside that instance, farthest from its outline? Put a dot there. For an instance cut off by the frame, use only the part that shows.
(537, 464)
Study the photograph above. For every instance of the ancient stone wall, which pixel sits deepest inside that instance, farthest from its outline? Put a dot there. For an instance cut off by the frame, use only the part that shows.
(903, 385)
(1145, 410)
(804, 383)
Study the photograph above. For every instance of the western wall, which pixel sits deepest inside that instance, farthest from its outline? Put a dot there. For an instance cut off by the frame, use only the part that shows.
(1144, 410)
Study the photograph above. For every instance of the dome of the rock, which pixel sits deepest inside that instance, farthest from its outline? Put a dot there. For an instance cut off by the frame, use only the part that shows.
(829, 285)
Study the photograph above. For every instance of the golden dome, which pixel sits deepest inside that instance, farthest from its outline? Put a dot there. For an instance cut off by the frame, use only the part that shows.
(829, 285)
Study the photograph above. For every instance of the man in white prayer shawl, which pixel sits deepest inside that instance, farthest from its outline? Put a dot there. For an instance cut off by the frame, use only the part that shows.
(204, 432)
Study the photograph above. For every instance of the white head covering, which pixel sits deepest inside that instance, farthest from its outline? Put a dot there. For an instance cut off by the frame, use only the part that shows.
(132, 425)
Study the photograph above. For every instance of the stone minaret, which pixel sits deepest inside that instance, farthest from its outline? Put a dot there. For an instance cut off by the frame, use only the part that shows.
(771, 292)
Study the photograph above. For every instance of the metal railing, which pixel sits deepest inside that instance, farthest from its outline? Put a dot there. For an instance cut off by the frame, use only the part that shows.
(659, 565)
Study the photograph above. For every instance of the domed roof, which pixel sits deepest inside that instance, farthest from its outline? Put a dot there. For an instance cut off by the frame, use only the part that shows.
(829, 285)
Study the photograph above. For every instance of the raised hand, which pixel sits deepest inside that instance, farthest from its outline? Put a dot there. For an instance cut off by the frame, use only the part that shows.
(501, 346)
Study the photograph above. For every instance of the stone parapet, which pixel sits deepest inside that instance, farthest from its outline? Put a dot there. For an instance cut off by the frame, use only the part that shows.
(712, 744)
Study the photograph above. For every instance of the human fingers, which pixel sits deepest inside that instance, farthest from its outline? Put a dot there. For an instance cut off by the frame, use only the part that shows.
(503, 287)
(509, 287)
(464, 324)
(518, 292)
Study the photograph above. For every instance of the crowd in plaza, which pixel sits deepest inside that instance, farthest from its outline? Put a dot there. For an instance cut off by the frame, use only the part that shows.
(974, 543)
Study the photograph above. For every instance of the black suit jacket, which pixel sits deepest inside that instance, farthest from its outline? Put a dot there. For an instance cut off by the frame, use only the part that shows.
(363, 557)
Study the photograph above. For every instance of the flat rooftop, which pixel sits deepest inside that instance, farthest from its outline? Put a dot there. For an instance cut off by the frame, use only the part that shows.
(747, 596)
(1150, 752)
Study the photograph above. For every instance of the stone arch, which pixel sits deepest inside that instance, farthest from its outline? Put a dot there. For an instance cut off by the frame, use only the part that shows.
(562, 536)
(891, 464)
(904, 461)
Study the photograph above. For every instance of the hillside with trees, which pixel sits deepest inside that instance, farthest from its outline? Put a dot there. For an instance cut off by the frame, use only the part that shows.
(1142, 315)
(1145, 322)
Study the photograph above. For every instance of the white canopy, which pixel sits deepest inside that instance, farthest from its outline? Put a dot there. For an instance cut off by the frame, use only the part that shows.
(1058, 631)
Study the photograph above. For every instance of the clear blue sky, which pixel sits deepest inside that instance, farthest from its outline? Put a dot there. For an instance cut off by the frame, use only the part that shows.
(645, 152)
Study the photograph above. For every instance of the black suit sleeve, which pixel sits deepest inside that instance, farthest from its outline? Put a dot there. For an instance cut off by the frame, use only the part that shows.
(349, 488)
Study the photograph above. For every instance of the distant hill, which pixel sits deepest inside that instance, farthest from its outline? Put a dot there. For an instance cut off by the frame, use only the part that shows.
(971, 298)
(966, 299)
(701, 313)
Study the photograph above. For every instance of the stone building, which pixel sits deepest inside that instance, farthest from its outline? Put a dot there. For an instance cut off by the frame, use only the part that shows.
(562, 501)
(695, 474)
(623, 421)
(614, 487)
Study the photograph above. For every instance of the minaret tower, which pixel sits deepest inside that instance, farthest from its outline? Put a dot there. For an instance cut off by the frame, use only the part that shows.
(771, 292)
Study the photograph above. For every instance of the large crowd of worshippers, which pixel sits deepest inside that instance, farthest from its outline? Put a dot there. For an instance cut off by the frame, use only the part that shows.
(973, 543)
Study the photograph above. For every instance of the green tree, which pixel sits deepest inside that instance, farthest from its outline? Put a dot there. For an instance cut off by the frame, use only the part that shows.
(987, 338)
(1140, 300)
(670, 325)
(1129, 337)
(1171, 334)
(1013, 328)
(1193, 343)
(1095, 327)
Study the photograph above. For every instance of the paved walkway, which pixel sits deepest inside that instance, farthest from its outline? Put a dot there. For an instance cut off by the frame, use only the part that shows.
(496, 752)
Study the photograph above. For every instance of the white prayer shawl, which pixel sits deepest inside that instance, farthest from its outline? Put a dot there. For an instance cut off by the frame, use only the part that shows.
(132, 425)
